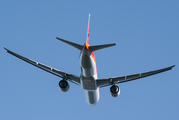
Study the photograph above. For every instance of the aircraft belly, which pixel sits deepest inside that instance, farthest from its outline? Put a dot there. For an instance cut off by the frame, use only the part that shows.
(92, 97)
(87, 72)
(89, 84)
(88, 78)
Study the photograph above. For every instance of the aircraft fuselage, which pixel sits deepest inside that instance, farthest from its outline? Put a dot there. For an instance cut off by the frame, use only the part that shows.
(89, 75)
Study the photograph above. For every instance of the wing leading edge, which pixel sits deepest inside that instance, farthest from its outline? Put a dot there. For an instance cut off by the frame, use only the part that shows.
(67, 76)
(100, 82)
(122, 79)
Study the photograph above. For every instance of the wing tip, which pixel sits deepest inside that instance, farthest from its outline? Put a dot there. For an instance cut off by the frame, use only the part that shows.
(173, 66)
(5, 48)
(57, 38)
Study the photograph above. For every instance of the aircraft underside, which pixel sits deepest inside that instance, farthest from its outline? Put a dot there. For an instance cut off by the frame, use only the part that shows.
(88, 77)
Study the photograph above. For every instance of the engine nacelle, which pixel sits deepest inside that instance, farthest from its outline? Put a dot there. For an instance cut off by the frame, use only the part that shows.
(114, 91)
(64, 86)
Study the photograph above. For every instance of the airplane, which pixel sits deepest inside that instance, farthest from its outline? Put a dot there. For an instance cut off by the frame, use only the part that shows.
(88, 79)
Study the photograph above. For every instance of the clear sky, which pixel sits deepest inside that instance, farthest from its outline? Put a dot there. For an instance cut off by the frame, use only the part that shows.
(147, 36)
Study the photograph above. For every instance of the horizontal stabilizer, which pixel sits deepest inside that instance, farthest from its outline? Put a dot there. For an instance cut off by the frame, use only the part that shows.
(80, 47)
(98, 47)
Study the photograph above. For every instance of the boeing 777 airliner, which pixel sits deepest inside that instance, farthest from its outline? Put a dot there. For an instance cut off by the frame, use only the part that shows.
(88, 79)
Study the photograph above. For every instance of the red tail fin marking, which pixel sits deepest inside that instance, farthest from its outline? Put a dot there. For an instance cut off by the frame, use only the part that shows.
(88, 29)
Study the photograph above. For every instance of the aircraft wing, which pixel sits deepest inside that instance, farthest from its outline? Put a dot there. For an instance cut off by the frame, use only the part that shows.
(67, 76)
(115, 80)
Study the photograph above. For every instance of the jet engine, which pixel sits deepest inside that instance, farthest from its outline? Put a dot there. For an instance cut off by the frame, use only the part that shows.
(114, 91)
(64, 86)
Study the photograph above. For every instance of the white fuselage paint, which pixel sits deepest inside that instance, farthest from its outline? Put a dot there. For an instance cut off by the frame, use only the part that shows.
(88, 77)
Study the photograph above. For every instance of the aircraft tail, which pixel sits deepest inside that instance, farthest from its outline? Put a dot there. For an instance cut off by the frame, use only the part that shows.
(94, 48)
(80, 47)
(91, 48)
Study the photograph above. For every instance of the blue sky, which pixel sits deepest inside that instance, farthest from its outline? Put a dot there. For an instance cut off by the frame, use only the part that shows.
(146, 34)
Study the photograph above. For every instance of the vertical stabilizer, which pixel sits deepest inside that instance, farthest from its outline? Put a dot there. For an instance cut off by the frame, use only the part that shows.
(88, 30)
